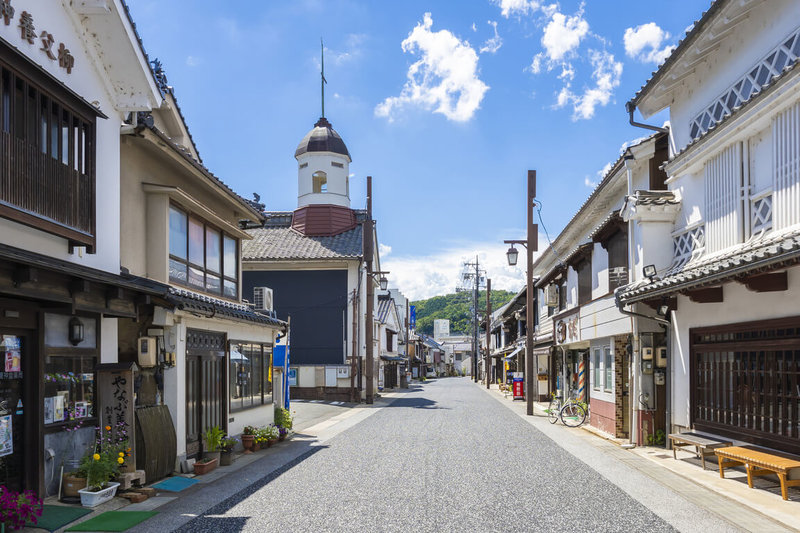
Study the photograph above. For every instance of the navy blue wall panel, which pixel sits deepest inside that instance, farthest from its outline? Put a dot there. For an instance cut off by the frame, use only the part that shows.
(316, 301)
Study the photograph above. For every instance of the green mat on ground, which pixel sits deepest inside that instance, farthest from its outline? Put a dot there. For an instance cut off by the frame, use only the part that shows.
(113, 521)
(57, 516)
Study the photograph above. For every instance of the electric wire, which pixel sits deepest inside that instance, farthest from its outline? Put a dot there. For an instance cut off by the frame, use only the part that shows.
(538, 204)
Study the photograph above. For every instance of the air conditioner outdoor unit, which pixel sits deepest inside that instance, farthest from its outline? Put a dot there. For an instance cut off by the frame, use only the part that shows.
(262, 299)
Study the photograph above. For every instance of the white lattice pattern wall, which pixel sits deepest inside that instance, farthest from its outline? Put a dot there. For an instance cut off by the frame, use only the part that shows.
(786, 167)
(723, 178)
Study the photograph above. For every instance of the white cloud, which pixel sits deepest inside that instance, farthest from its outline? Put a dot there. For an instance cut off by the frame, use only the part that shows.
(192, 61)
(493, 44)
(563, 34)
(384, 250)
(517, 7)
(444, 79)
(353, 49)
(606, 74)
(474, 27)
(589, 183)
(536, 64)
(420, 277)
(643, 43)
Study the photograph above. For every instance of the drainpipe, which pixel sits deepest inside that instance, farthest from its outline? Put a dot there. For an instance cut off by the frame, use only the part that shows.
(630, 107)
(633, 376)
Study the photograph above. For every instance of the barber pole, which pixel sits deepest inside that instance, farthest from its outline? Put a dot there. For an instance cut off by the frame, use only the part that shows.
(581, 380)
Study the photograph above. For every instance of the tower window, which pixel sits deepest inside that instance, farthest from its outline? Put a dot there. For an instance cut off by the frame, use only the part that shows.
(303, 165)
(337, 165)
(320, 181)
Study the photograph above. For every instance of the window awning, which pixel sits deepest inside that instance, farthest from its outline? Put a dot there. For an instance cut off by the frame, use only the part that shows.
(513, 354)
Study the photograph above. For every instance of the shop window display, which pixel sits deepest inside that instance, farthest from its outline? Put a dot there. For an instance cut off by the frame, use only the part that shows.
(69, 388)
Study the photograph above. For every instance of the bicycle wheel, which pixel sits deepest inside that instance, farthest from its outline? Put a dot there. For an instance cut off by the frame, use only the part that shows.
(554, 410)
(573, 415)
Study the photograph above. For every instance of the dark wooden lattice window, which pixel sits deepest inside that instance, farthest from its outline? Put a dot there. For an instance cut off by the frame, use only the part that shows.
(47, 150)
(745, 382)
(584, 270)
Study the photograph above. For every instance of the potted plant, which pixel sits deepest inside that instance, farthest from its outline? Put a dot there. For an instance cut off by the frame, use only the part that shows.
(73, 481)
(248, 439)
(226, 448)
(73, 478)
(204, 466)
(16, 508)
(101, 467)
(283, 420)
(269, 434)
(212, 439)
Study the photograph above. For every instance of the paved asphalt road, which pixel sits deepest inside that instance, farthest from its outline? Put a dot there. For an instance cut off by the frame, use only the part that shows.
(446, 456)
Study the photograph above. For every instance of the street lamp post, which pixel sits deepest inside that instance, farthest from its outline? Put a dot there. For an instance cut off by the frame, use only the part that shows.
(531, 245)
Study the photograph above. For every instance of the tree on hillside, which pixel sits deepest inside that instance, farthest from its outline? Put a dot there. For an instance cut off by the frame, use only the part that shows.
(456, 308)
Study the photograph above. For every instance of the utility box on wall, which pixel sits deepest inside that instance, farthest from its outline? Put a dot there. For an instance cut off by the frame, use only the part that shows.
(148, 351)
(661, 357)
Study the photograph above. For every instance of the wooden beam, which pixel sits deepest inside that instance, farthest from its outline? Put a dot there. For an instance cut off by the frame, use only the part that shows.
(78, 286)
(25, 274)
(771, 282)
(705, 295)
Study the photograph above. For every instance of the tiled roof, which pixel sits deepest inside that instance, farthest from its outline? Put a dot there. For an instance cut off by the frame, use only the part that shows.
(213, 307)
(767, 253)
(683, 44)
(282, 243)
(656, 198)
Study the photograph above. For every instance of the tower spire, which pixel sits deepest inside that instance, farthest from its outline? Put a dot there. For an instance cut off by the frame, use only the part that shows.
(323, 81)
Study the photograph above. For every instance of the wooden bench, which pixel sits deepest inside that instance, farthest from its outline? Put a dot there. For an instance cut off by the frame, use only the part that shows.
(703, 445)
(758, 462)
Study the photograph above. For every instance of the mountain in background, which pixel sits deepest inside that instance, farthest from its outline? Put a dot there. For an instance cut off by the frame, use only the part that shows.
(456, 308)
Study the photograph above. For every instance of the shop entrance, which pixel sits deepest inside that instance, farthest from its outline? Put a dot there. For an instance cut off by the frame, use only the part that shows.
(205, 382)
(12, 407)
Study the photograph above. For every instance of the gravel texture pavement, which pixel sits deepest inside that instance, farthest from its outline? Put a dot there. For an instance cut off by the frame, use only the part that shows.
(445, 456)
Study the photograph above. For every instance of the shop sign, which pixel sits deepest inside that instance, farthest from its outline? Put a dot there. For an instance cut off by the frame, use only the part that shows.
(31, 35)
(568, 329)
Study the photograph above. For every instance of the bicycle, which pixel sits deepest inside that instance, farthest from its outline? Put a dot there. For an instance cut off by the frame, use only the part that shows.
(571, 412)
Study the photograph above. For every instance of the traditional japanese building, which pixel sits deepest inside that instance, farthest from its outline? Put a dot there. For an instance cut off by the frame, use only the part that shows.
(723, 259)
(70, 74)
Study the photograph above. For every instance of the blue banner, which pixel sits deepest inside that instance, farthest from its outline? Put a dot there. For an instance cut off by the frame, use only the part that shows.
(412, 319)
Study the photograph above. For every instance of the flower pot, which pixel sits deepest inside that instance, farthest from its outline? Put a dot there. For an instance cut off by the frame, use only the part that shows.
(205, 467)
(282, 436)
(70, 485)
(247, 443)
(93, 499)
(226, 458)
(256, 445)
(207, 456)
(270, 442)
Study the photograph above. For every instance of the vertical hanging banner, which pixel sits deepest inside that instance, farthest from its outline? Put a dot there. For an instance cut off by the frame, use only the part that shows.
(412, 319)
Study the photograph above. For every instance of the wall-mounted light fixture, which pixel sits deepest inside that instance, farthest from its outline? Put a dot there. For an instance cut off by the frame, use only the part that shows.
(650, 272)
(75, 331)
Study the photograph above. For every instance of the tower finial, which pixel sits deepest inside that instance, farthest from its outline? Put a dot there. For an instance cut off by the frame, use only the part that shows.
(322, 74)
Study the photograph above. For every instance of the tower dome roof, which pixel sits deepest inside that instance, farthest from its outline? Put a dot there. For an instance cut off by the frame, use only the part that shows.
(322, 138)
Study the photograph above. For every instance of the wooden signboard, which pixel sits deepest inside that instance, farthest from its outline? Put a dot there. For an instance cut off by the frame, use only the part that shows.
(115, 390)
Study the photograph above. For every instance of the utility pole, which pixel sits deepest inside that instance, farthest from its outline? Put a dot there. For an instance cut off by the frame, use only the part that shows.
(368, 253)
(488, 326)
(475, 364)
(531, 245)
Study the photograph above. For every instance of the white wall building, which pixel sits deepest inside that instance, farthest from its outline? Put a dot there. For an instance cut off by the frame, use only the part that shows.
(732, 88)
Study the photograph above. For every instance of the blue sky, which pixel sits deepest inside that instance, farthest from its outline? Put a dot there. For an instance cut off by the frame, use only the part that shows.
(446, 104)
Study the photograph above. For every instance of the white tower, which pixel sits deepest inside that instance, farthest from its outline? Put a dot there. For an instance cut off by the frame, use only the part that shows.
(323, 168)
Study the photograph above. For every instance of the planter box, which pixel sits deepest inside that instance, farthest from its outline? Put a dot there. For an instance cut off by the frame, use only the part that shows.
(205, 468)
(71, 485)
(93, 499)
(226, 458)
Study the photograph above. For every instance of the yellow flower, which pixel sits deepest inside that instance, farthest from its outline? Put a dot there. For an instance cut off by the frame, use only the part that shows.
(96, 457)
(108, 428)
(121, 454)
(120, 460)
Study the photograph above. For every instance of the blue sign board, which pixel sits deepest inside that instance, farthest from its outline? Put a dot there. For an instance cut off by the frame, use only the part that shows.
(412, 320)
